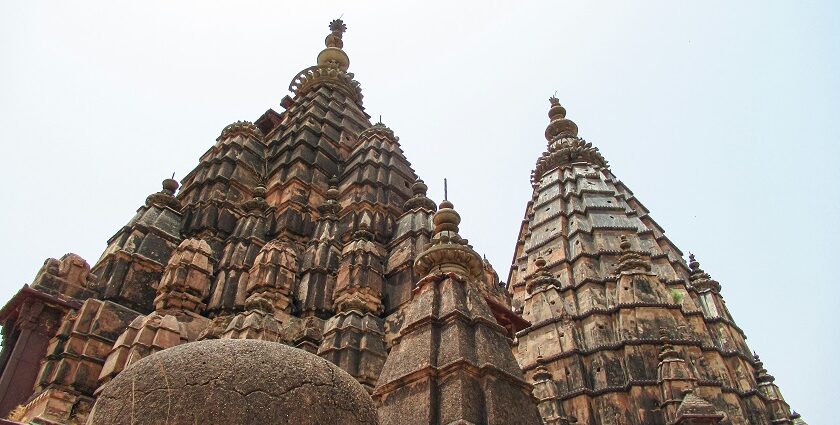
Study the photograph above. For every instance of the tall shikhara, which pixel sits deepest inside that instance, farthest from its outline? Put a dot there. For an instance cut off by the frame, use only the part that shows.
(310, 228)
(622, 331)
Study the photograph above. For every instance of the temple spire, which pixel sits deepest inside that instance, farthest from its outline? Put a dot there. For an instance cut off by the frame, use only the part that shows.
(451, 363)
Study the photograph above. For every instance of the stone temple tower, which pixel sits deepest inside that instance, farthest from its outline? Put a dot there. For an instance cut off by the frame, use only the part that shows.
(622, 330)
(309, 228)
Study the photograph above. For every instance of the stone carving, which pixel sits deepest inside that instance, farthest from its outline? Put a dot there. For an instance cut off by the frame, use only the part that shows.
(310, 227)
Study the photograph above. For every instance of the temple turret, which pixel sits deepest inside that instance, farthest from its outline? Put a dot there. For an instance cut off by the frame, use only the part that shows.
(227, 294)
(419, 198)
(256, 322)
(452, 362)
(354, 338)
(413, 230)
(375, 181)
(135, 258)
(777, 407)
(548, 401)
(694, 410)
(320, 260)
(177, 317)
(674, 377)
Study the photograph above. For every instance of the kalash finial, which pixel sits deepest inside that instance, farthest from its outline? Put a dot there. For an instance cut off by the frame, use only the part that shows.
(447, 251)
(337, 29)
(333, 56)
(170, 185)
(559, 127)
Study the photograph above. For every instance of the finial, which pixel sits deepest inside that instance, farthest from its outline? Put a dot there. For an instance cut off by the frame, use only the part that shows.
(167, 195)
(446, 219)
(542, 277)
(419, 188)
(556, 109)
(332, 191)
(693, 264)
(447, 251)
(333, 57)
(259, 191)
(419, 199)
(445, 190)
(559, 127)
(170, 185)
(337, 29)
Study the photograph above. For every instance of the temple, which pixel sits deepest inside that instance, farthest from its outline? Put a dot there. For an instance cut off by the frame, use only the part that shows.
(309, 228)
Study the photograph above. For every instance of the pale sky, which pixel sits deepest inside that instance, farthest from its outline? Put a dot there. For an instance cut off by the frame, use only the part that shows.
(721, 116)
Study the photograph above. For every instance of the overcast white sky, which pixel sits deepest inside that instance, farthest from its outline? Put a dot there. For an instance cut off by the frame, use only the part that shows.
(722, 117)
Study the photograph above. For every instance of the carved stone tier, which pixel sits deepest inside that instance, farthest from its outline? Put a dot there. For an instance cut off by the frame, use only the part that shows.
(75, 356)
(355, 341)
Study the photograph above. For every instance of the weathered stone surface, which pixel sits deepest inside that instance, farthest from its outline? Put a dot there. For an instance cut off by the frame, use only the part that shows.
(310, 227)
(233, 382)
(598, 279)
(68, 277)
(355, 341)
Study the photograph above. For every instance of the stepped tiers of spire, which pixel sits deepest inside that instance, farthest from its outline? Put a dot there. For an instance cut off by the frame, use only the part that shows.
(309, 228)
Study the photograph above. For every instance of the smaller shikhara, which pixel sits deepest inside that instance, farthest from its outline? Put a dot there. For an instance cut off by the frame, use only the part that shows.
(310, 229)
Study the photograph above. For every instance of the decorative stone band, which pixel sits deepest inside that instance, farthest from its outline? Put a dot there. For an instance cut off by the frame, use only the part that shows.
(613, 309)
(246, 128)
(332, 77)
(363, 300)
(566, 151)
(378, 130)
(636, 342)
(449, 257)
(642, 383)
(435, 278)
(441, 372)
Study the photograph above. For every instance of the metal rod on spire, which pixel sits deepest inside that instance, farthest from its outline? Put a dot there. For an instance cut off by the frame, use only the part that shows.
(445, 190)
(173, 176)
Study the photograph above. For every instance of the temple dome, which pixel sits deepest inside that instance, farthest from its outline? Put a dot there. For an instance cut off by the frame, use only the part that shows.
(233, 382)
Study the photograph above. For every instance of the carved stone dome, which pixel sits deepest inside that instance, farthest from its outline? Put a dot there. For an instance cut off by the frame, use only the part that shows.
(233, 382)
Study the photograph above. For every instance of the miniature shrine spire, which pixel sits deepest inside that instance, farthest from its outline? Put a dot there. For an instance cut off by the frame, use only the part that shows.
(451, 363)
